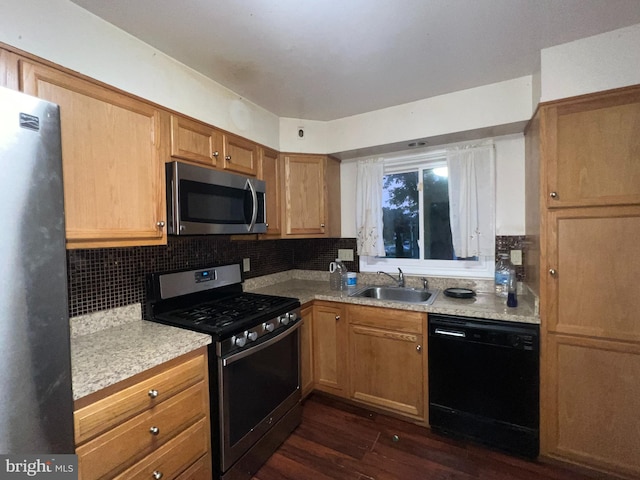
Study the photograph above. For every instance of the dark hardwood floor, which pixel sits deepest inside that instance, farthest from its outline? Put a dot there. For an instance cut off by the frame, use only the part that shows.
(340, 441)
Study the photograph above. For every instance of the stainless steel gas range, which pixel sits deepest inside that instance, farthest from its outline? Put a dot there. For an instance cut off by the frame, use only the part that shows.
(254, 360)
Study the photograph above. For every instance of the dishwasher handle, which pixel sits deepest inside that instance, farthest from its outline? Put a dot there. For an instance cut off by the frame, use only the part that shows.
(450, 333)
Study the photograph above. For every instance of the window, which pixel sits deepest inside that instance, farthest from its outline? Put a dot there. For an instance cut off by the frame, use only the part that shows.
(417, 221)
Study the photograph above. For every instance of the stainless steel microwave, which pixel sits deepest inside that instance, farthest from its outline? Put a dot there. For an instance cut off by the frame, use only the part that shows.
(204, 201)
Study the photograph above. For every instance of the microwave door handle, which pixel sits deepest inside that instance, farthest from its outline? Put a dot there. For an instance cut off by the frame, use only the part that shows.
(254, 199)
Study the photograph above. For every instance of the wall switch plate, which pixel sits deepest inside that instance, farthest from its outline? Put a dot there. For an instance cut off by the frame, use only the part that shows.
(516, 257)
(246, 264)
(345, 254)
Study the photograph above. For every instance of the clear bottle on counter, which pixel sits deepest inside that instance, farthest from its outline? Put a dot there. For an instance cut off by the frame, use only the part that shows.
(337, 275)
(503, 270)
(512, 291)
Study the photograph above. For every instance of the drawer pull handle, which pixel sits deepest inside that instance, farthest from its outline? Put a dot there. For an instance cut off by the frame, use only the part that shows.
(157, 475)
(153, 393)
(154, 430)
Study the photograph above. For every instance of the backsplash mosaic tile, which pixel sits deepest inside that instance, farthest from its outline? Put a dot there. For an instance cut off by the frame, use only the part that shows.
(107, 278)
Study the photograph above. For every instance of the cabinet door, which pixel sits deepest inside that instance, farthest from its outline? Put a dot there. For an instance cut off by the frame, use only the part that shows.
(240, 155)
(113, 160)
(9, 70)
(195, 141)
(590, 415)
(591, 147)
(305, 195)
(306, 351)
(387, 359)
(592, 272)
(330, 349)
(269, 171)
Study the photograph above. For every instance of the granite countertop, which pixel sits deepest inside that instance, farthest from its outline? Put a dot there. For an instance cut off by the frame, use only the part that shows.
(113, 345)
(485, 304)
(110, 346)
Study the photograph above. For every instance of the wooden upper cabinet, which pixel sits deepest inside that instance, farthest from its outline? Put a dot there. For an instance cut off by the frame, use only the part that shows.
(195, 141)
(269, 171)
(311, 196)
(9, 70)
(240, 155)
(591, 147)
(113, 155)
(592, 278)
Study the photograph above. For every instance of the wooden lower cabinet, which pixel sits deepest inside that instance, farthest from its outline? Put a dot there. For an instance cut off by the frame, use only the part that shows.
(306, 351)
(330, 348)
(388, 359)
(156, 423)
(592, 403)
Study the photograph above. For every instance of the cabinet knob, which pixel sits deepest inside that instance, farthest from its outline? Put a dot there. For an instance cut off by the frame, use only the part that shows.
(160, 224)
(157, 475)
(228, 158)
(337, 317)
(419, 348)
(552, 272)
(153, 393)
(322, 225)
(553, 194)
(266, 225)
(215, 154)
(154, 430)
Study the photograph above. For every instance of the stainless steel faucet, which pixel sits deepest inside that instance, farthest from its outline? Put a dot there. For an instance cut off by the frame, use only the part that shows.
(399, 280)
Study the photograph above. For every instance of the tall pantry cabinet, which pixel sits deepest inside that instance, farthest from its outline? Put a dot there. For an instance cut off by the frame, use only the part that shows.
(583, 222)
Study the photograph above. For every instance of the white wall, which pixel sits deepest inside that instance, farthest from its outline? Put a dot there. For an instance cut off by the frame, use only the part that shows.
(601, 62)
(476, 108)
(510, 210)
(68, 35)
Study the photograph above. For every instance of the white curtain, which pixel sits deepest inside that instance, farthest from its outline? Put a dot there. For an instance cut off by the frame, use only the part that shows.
(472, 200)
(369, 178)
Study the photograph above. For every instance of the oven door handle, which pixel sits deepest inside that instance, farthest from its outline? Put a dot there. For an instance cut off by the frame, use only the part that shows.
(262, 346)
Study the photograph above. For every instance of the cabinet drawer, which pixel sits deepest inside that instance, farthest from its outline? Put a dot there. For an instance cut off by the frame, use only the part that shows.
(397, 320)
(129, 442)
(174, 457)
(201, 470)
(104, 414)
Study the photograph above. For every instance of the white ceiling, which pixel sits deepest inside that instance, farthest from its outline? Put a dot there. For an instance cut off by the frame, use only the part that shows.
(328, 59)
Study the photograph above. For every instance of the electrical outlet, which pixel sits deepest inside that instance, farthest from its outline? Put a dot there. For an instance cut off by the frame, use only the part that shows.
(345, 254)
(246, 264)
(516, 257)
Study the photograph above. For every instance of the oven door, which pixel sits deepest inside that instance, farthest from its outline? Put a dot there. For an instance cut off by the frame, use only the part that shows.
(206, 201)
(258, 387)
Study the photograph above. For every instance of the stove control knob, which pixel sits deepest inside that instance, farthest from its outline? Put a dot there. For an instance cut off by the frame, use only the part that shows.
(268, 327)
(252, 336)
(284, 319)
(293, 316)
(240, 341)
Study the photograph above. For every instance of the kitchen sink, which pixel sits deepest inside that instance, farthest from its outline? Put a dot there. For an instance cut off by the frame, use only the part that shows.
(397, 294)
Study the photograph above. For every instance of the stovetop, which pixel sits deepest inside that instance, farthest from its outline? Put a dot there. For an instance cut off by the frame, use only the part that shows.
(226, 316)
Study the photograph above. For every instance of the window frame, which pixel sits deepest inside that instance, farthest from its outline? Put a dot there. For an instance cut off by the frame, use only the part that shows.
(481, 268)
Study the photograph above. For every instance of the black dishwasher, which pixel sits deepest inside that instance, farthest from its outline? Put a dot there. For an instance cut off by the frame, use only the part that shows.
(484, 382)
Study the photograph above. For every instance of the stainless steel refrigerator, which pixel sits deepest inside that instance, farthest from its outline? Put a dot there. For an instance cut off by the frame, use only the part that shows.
(36, 401)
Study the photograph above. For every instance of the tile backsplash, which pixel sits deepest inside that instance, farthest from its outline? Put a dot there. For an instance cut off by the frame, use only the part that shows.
(107, 278)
